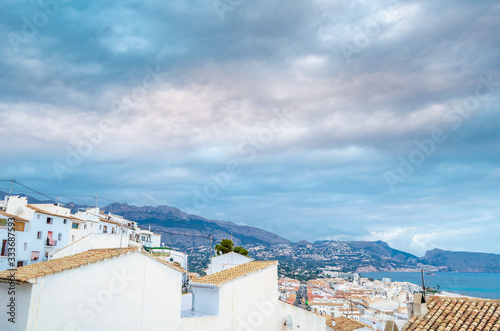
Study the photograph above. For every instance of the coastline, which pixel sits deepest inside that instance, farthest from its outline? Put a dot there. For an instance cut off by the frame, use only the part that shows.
(452, 284)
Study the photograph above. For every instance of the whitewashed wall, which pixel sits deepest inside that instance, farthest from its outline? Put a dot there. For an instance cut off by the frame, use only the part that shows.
(93, 241)
(131, 292)
(22, 298)
(251, 303)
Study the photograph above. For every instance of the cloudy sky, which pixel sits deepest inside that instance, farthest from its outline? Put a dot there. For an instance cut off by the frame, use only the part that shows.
(348, 120)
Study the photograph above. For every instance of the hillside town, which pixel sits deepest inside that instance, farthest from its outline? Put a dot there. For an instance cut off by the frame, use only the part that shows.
(91, 270)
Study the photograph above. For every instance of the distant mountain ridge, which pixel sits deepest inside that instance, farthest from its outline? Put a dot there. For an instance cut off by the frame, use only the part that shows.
(188, 231)
(195, 229)
(463, 261)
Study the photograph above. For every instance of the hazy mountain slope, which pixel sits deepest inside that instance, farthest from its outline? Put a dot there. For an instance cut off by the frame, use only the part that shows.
(463, 261)
(170, 219)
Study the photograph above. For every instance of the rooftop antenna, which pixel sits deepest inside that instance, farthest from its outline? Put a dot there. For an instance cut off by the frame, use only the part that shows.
(11, 184)
(423, 282)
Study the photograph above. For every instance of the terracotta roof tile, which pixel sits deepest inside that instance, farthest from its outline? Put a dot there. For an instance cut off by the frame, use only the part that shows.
(41, 211)
(17, 218)
(24, 274)
(346, 324)
(224, 276)
(458, 314)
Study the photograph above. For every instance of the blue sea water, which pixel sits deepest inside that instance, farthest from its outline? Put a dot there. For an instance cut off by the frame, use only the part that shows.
(481, 285)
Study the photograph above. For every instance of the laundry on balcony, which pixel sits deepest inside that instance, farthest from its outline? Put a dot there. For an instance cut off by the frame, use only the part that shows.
(50, 239)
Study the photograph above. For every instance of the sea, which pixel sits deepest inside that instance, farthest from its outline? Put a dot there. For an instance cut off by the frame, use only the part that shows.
(480, 285)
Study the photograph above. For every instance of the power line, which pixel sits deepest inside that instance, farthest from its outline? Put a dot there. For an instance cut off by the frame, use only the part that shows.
(37, 192)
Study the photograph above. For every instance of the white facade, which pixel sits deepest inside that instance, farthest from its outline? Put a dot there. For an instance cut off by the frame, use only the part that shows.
(43, 229)
(42, 232)
(226, 261)
(130, 292)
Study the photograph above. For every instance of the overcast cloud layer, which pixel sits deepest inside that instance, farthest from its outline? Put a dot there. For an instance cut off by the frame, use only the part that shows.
(349, 120)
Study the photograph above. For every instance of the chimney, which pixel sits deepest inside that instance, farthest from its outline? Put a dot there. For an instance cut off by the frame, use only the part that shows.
(391, 326)
(418, 307)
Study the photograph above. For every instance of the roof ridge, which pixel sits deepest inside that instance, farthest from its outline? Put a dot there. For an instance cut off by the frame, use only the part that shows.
(238, 271)
(31, 271)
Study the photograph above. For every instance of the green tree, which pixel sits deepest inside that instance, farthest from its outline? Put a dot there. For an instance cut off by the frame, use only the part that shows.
(240, 250)
(225, 246)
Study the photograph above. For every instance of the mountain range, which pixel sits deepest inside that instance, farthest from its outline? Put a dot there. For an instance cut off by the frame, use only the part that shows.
(190, 232)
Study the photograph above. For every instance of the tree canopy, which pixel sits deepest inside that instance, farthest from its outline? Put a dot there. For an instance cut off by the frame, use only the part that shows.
(227, 245)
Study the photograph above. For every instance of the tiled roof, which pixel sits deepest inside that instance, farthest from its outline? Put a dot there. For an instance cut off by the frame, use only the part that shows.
(17, 218)
(24, 274)
(461, 314)
(346, 324)
(224, 276)
(41, 211)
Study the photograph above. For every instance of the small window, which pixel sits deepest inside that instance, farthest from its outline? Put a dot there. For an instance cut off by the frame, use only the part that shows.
(59, 236)
(105, 229)
(85, 227)
(49, 220)
(4, 248)
(74, 226)
(100, 227)
(65, 221)
(38, 216)
(25, 247)
(73, 238)
(112, 230)
(39, 235)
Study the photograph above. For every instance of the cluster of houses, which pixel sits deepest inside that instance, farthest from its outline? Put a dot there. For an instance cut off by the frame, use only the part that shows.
(95, 271)
(364, 305)
(45, 231)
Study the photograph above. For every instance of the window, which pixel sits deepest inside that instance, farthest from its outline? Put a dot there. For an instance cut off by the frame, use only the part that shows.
(25, 247)
(65, 221)
(59, 236)
(74, 226)
(105, 230)
(35, 255)
(39, 235)
(85, 226)
(73, 238)
(112, 230)
(100, 227)
(4, 248)
(49, 220)
(38, 216)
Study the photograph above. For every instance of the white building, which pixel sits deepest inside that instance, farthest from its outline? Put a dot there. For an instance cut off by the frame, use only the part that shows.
(226, 261)
(244, 298)
(170, 255)
(109, 289)
(37, 231)
(43, 229)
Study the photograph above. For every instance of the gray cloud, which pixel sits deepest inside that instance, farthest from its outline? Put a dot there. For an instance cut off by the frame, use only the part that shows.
(217, 87)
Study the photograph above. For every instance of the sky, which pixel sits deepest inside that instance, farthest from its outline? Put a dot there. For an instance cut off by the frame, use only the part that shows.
(317, 120)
